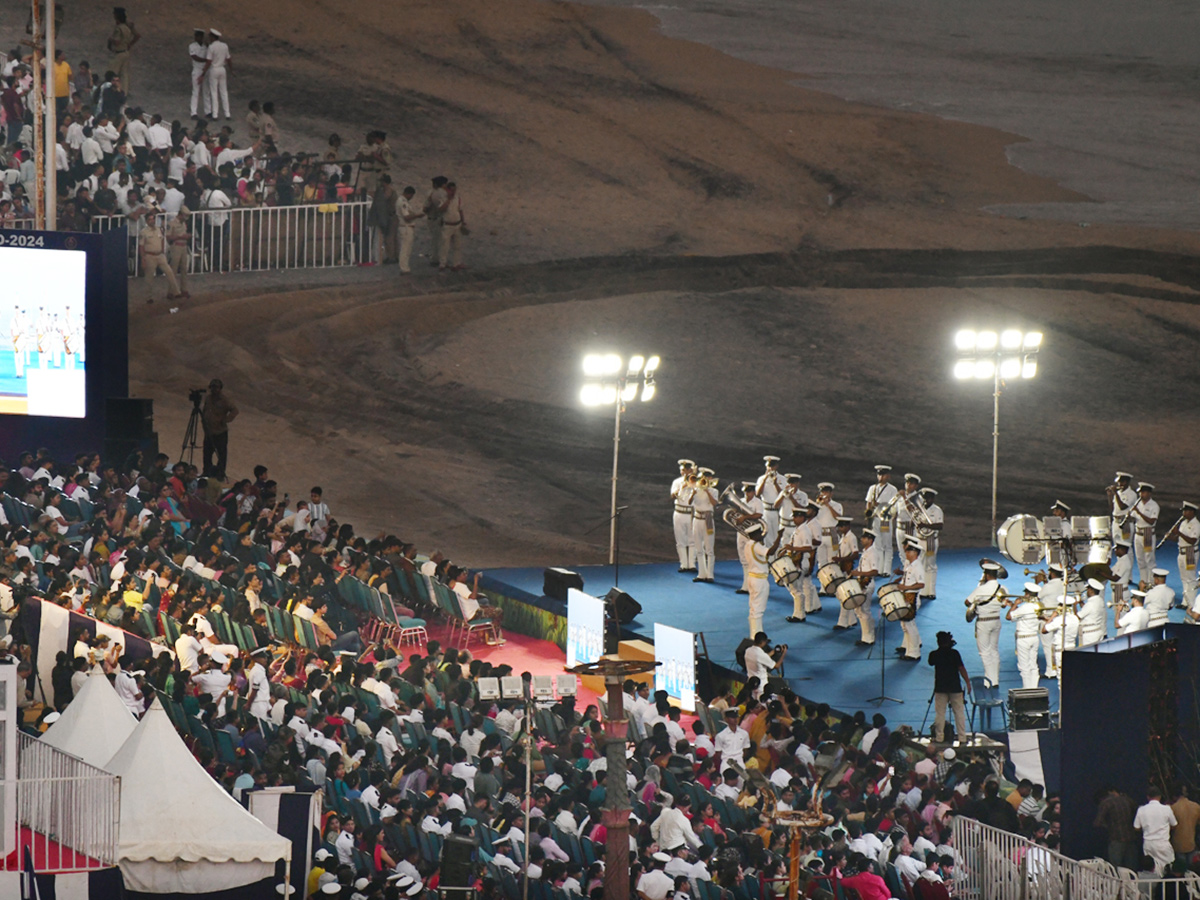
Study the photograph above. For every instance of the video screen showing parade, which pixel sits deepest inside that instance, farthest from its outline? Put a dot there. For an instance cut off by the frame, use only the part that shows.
(42, 315)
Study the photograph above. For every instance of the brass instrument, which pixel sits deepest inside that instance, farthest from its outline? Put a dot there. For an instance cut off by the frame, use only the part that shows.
(735, 515)
(887, 512)
(708, 481)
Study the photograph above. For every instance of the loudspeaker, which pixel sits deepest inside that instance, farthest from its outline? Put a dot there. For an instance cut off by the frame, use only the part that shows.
(128, 417)
(555, 583)
(1028, 709)
(624, 607)
(457, 867)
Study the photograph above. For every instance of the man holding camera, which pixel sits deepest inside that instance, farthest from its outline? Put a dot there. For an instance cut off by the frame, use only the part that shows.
(218, 412)
(948, 669)
(760, 661)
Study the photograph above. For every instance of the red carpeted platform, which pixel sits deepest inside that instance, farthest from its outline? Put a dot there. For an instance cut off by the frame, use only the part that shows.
(48, 856)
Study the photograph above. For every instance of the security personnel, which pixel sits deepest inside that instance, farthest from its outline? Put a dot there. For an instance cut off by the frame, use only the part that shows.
(790, 498)
(1144, 517)
(983, 608)
(1093, 615)
(879, 495)
(743, 543)
(1187, 532)
(800, 548)
(866, 573)
(704, 504)
(912, 579)
(1159, 599)
(936, 521)
(681, 519)
(1024, 614)
(828, 513)
(768, 489)
(1122, 498)
(120, 43)
(845, 554)
(179, 248)
(905, 527)
(153, 246)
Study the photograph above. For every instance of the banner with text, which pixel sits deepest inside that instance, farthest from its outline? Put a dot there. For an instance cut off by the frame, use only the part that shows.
(675, 653)
(585, 628)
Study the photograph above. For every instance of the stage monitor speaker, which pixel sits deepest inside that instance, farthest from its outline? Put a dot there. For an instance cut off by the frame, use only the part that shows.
(624, 608)
(128, 417)
(556, 582)
(457, 868)
(1028, 709)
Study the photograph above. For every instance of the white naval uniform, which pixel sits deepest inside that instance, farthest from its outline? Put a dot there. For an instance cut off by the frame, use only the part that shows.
(1135, 619)
(195, 48)
(760, 584)
(931, 550)
(1189, 535)
(1129, 497)
(1050, 595)
(812, 599)
(1062, 637)
(878, 495)
(1093, 620)
(986, 598)
(1143, 537)
(827, 516)
(787, 506)
(1158, 602)
(1122, 575)
(905, 527)
(868, 561)
(914, 573)
(847, 548)
(768, 488)
(703, 534)
(681, 519)
(217, 80)
(1028, 630)
(799, 589)
(743, 543)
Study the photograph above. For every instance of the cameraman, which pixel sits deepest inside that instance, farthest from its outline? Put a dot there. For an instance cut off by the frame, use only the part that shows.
(218, 412)
(760, 659)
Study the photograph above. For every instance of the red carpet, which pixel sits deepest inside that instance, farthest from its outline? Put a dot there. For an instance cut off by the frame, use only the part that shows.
(48, 855)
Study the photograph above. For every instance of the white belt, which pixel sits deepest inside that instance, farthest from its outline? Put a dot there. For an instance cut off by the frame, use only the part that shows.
(686, 510)
(697, 514)
(1032, 634)
(989, 619)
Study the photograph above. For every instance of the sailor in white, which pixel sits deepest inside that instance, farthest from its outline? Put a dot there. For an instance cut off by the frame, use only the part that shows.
(1093, 615)
(866, 572)
(786, 503)
(1063, 629)
(1159, 599)
(1134, 618)
(983, 608)
(1122, 497)
(1024, 614)
(1051, 596)
(681, 518)
(1122, 572)
(912, 579)
(828, 513)
(1187, 532)
(768, 488)
(1063, 512)
(879, 495)
(812, 598)
(1144, 516)
(934, 521)
(845, 555)
(757, 555)
(751, 501)
(905, 526)
(704, 504)
(800, 549)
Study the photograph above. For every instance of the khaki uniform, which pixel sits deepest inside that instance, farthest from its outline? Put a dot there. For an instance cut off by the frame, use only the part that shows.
(450, 249)
(367, 168)
(153, 245)
(118, 43)
(404, 209)
(178, 250)
(433, 220)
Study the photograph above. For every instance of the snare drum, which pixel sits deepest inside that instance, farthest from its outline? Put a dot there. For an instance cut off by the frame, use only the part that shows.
(1021, 539)
(851, 594)
(895, 607)
(830, 575)
(785, 571)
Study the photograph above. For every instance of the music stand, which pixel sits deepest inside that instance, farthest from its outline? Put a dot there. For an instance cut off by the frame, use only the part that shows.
(881, 641)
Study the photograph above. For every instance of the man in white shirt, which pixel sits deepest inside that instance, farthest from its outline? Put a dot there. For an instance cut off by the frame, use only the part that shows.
(681, 518)
(187, 649)
(908, 866)
(912, 579)
(1093, 615)
(933, 521)
(672, 829)
(879, 496)
(128, 689)
(729, 788)
(345, 843)
(1144, 517)
(105, 133)
(259, 690)
(197, 52)
(733, 740)
(1155, 821)
(702, 741)
(1135, 618)
(218, 63)
(213, 680)
(1025, 615)
(655, 884)
(1159, 599)
(759, 662)
(983, 608)
(158, 135)
(1187, 532)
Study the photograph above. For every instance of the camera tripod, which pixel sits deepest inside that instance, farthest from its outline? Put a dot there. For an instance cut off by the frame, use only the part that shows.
(188, 450)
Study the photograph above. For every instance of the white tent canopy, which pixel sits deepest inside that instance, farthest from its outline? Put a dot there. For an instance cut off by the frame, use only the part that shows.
(180, 831)
(94, 725)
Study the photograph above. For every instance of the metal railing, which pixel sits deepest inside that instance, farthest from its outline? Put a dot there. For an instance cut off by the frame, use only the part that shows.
(73, 808)
(256, 239)
(1000, 865)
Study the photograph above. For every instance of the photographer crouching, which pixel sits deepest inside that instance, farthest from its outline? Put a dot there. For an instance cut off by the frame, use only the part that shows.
(218, 412)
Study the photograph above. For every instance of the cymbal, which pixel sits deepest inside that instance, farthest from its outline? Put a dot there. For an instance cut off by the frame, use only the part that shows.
(1003, 573)
(1098, 570)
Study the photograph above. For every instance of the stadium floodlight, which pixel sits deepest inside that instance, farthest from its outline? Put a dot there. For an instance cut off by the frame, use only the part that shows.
(615, 383)
(998, 357)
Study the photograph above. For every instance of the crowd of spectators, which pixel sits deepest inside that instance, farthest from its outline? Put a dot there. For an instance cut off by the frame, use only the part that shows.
(396, 735)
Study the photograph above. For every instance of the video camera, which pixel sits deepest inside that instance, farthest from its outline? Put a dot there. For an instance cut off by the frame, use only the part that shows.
(196, 395)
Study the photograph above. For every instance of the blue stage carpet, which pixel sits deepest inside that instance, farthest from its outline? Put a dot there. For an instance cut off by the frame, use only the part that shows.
(822, 664)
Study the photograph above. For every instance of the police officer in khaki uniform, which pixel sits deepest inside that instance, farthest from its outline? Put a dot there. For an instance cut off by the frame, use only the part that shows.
(407, 215)
(152, 244)
(120, 42)
(179, 248)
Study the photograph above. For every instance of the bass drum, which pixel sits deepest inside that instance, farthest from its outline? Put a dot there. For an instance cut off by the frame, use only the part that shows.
(851, 594)
(1021, 539)
(895, 607)
(830, 575)
(783, 568)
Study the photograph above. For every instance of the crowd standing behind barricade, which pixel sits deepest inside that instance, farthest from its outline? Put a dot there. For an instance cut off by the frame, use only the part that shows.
(279, 676)
(116, 159)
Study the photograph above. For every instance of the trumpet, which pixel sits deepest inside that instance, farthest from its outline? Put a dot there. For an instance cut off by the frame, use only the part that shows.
(707, 481)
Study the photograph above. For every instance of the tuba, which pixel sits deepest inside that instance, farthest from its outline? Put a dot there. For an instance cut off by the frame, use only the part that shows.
(734, 513)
